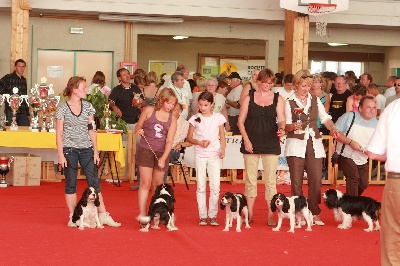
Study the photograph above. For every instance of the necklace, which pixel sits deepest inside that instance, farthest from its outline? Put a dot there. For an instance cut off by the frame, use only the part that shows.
(303, 100)
(179, 94)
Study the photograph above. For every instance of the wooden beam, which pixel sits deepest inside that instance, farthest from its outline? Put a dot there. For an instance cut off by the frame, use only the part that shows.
(296, 42)
(19, 31)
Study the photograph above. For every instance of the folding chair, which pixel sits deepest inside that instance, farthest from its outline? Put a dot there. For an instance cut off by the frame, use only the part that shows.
(178, 161)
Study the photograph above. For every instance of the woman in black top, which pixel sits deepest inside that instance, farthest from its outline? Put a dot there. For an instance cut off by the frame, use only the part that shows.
(257, 123)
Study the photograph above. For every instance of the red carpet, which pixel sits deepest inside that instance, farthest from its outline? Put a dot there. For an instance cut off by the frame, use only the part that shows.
(34, 232)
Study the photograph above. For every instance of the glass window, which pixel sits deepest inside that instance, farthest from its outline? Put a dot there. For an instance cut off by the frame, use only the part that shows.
(338, 67)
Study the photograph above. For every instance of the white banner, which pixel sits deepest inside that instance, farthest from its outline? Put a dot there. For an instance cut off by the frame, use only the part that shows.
(233, 157)
(243, 67)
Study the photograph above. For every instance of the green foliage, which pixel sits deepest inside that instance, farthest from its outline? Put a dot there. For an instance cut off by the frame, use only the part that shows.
(99, 101)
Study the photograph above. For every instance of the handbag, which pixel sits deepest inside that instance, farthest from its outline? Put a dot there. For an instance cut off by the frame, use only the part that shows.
(335, 156)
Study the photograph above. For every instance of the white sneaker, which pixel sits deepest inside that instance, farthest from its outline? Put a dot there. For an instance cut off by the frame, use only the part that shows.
(106, 219)
(318, 221)
(70, 223)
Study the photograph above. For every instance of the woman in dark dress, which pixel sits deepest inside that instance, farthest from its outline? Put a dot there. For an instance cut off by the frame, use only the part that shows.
(257, 123)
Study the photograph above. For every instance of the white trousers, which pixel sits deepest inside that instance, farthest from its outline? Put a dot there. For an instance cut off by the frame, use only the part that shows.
(212, 167)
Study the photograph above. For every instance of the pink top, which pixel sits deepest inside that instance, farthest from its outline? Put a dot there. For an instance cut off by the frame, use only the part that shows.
(355, 105)
(207, 129)
(155, 132)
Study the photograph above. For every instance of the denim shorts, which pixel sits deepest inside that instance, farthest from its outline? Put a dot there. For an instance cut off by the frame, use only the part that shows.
(85, 158)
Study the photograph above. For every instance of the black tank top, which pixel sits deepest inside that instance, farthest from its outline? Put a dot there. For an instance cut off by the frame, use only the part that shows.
(261, 127)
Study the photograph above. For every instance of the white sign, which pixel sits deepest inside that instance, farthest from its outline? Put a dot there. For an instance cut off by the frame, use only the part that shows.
(55, 72)
(76, 31)
(233, 157)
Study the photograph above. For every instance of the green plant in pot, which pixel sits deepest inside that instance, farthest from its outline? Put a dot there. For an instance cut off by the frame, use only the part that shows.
(99, 101)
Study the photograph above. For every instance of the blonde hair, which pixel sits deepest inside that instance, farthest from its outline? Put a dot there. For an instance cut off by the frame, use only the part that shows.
(302, 75)
(165, 95)
(201, 83)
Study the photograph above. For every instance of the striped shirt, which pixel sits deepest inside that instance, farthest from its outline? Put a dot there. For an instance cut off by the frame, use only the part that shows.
(75, 129)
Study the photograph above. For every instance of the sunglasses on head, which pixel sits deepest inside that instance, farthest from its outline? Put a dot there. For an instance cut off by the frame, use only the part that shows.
(306, 76)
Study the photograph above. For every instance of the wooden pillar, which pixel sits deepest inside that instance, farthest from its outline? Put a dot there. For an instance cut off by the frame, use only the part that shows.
(296, 41)
(19, 31)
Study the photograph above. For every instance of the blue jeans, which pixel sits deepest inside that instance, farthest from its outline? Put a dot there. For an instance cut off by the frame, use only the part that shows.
(21, 119)
(85, 158)
(173, 157)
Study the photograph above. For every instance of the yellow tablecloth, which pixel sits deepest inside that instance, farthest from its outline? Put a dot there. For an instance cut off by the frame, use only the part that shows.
(43, 140)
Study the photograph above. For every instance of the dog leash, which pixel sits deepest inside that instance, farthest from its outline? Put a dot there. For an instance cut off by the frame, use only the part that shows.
(150, 148)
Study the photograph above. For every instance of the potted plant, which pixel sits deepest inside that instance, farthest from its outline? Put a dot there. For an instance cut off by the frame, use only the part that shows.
(99, 100)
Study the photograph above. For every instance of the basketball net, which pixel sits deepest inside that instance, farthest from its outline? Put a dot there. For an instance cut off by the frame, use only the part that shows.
(320, 11)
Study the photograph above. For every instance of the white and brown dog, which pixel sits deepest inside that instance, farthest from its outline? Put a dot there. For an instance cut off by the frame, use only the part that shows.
(236, 207)
(161, 209)
(85, 213)
(346, 208)
(294, 207)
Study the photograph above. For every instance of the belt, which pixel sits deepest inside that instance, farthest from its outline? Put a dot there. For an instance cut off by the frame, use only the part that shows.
(393, 175)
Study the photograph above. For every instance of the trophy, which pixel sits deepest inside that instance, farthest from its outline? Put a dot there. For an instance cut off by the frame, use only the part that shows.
(15, 101)
(3, 119)
(5, 164)
(298, 111)
(107, 114)
(52, 103)
(43, 94)
(34, 107)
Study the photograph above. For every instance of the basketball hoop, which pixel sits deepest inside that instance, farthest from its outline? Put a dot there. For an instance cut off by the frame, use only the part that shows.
(320, 11)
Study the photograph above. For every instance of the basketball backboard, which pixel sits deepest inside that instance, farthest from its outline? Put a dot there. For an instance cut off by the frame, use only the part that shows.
(302, 5)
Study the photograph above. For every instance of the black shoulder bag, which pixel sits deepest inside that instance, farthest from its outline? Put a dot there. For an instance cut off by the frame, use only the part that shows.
(335, 156)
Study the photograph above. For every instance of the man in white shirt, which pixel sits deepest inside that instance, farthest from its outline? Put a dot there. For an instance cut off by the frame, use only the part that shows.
(385, 146)
(232, 101)
(390, 91)
(397, 92)
(182, 95)
(380, 99)
(288, 89)
(186, 84)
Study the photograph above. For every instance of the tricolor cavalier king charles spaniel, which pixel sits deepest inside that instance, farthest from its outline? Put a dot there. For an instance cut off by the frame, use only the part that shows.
(346, 208)
(85, 213)
(236, 207)
(292, 208)
(161, 209)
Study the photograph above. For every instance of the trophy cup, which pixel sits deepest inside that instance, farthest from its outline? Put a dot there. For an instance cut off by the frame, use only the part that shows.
(3, 119)
(5, 164)
(298, 111)
(43, 94)
(34, 107)
(107, 114)
(52, 103)
(15, 101)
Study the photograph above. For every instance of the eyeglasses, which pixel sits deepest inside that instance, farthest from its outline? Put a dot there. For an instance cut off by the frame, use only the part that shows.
(306, 76)
(267, 83)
